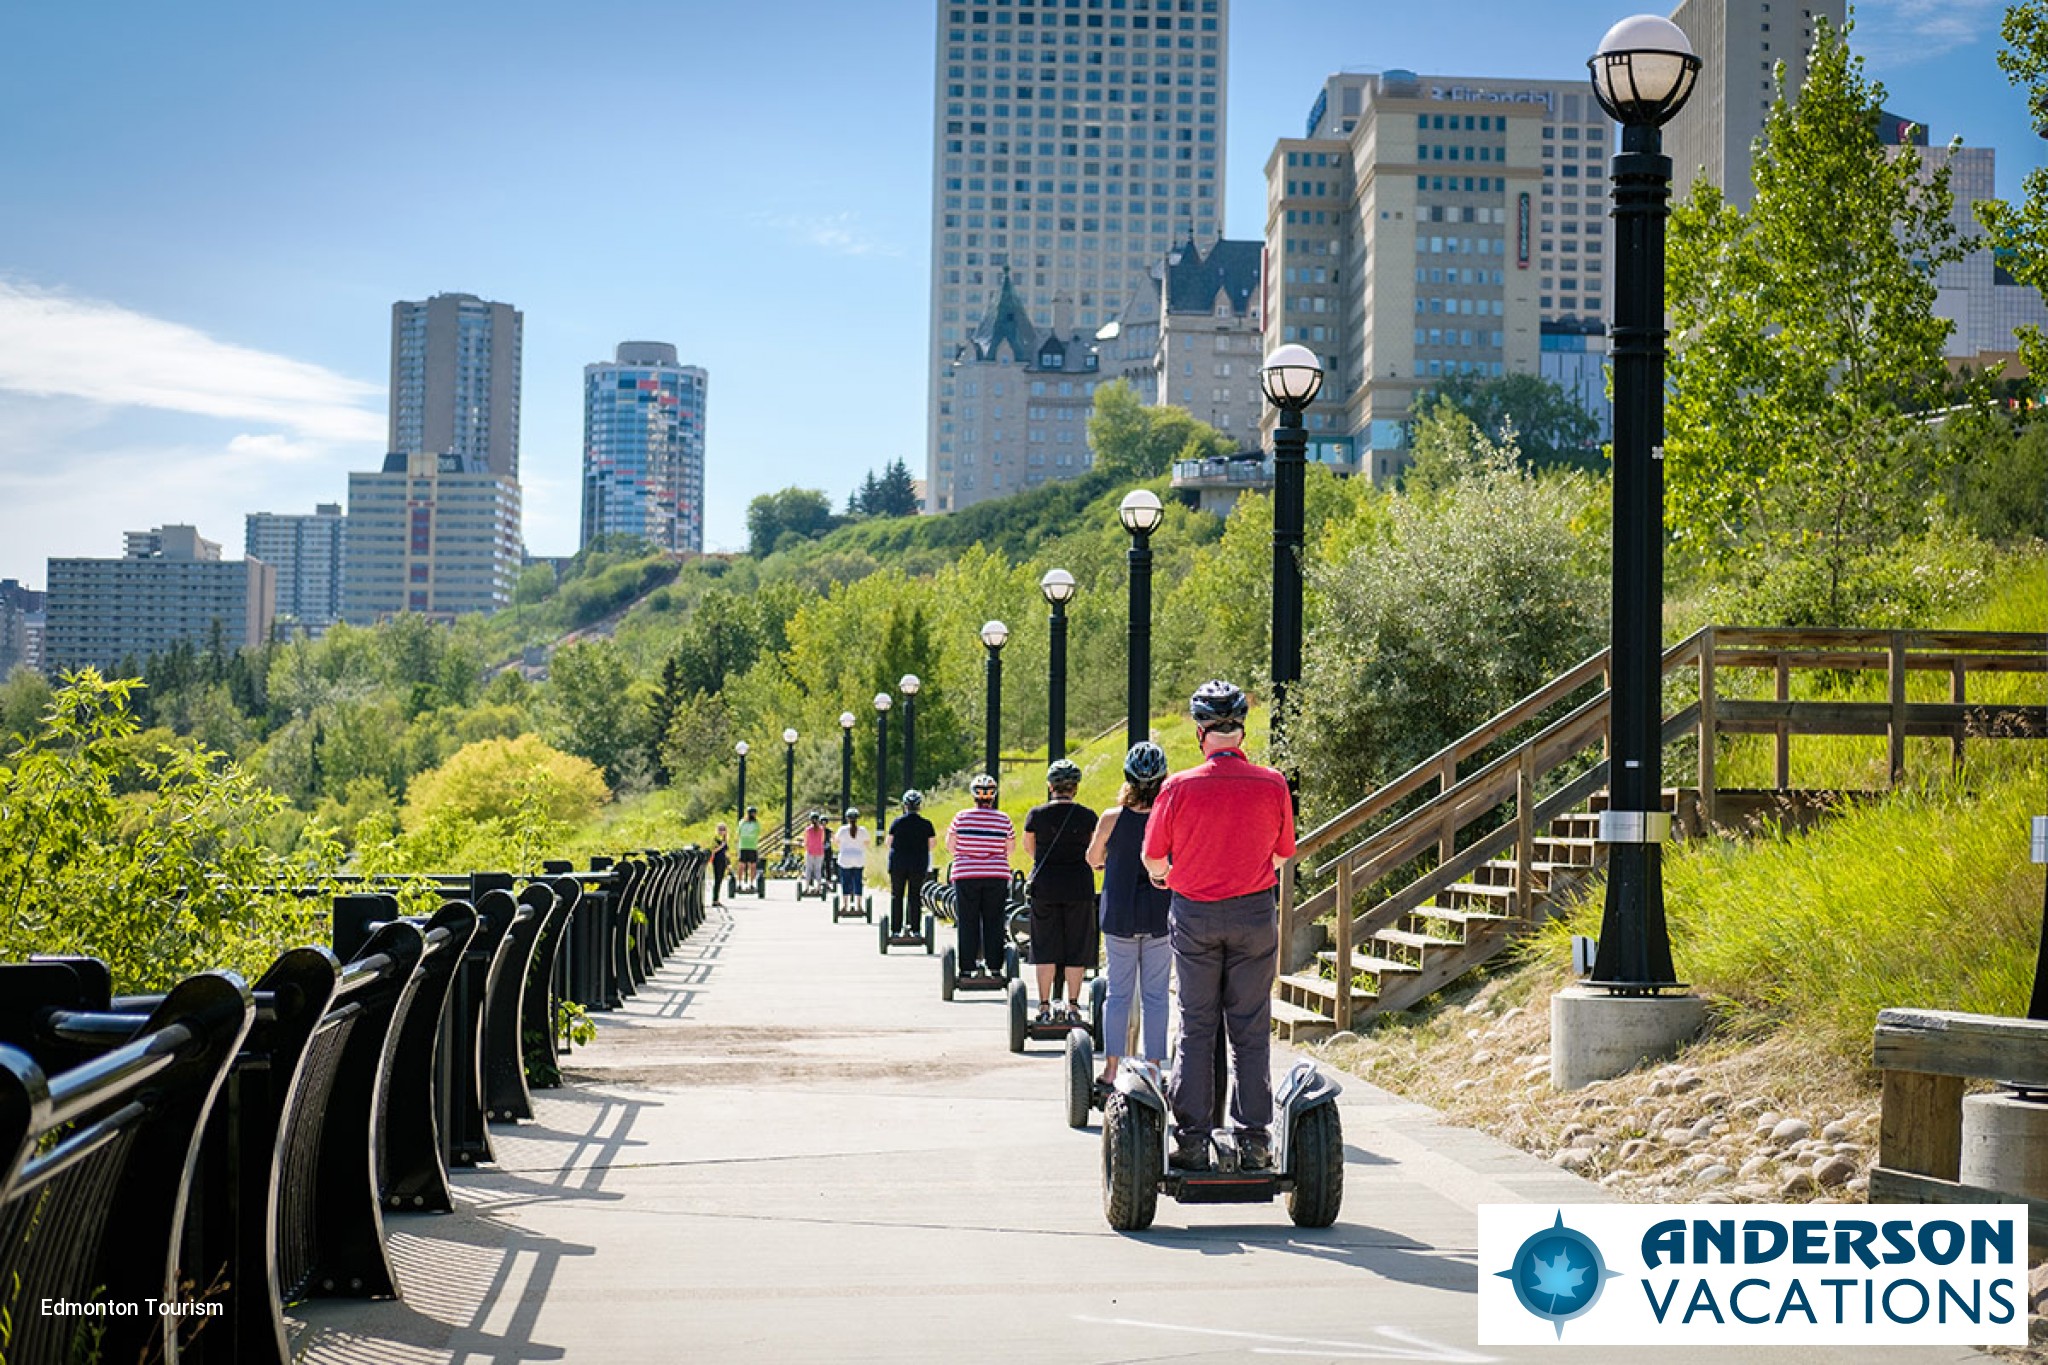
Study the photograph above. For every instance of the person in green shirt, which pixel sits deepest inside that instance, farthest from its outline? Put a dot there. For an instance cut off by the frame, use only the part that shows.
(750, 848)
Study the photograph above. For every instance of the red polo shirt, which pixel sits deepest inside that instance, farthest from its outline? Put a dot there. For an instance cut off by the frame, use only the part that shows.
(1222, 824)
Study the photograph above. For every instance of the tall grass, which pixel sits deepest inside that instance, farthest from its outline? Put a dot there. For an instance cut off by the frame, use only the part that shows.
(1925, 899)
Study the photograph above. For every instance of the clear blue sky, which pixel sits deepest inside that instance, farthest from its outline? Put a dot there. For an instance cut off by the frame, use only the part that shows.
(207, 210)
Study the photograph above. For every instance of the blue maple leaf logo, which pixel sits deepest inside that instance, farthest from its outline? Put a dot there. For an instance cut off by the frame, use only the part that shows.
(1556, 1277)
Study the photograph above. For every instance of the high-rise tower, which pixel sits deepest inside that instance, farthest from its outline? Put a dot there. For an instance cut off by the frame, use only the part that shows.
(1740, 43)
(455, 362)
(643, 447)
(1074, 142)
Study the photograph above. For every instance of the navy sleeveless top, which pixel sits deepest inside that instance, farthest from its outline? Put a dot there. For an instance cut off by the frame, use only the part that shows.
(1131, 905)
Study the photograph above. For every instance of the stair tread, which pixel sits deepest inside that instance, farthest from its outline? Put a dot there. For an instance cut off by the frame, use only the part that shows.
(1415, 940)
(1319, 985)
(1480, 889)
(1287, 1012)
(1456, 916)
(1366, 962)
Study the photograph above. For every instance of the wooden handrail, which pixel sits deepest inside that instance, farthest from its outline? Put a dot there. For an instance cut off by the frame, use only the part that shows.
(1511, 778)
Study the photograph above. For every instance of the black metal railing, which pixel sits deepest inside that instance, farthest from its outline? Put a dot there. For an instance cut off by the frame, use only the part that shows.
(239, 1148)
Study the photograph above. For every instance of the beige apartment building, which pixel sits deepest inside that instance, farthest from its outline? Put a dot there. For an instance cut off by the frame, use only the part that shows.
(170, 586)
(1426, 227)
(432, 534)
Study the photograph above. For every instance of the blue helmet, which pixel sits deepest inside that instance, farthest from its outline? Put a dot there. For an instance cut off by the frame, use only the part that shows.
(1218, 705)
(1146, 762)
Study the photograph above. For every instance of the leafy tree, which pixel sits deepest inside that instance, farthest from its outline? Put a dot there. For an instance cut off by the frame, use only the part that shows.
(1470, 600)
(536, 583)
(24, 697)
(591, 707)
(2019, 232)
(495, 779)
(1805, 343)
(1546, 424)
(794, 514)
(155, 883)
(1133, 441)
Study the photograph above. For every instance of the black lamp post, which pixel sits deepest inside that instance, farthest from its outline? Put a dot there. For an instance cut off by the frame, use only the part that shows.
(2038, 1007)
(882, 704)
(1642, 74)
(908, 685)
(1291, 377)
(845, 761)
(788, 791)
(995, 634)
(741, 749)
(1141, 513)
(1058, 589)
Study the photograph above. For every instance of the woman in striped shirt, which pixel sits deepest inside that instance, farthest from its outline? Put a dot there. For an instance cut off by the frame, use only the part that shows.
(979, 841)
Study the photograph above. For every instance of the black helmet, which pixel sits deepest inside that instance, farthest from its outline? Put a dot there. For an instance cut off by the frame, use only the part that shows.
(912, 799)
(752, 811)
(1064, 772)
(982, 785)
(1218, 705)
(1146, 762)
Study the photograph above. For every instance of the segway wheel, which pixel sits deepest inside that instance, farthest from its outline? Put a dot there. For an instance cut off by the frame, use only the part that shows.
(883, 937)
(1315, 1149)
(1080, 1077)
(949, 973)
(868, 904)
(1019, 1011)
(761, 886)
(1132, 1150)
(1010, 963)
(1098, 991)
(929, 927)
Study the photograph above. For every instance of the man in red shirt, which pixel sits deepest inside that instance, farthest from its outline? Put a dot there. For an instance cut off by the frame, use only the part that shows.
(1217, 834)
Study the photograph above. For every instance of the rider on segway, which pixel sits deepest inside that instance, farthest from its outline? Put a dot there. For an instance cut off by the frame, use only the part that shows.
(979, 841)
(1216, 838)
(909, 842)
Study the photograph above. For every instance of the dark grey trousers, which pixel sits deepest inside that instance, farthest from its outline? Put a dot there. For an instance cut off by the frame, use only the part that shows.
(1224, 953)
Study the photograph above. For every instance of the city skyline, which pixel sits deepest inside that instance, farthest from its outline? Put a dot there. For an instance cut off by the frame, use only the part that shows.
(209, 216)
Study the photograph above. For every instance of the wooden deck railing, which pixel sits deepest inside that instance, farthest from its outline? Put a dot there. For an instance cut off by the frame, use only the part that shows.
(1556, 770)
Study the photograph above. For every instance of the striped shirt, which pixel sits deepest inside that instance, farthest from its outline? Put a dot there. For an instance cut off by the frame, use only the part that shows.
(980, 842)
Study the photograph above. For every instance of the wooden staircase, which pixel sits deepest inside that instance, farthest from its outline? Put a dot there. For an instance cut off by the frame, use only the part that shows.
(1397, 897)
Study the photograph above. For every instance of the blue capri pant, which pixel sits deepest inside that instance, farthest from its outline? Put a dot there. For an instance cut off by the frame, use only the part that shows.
(1138, 969)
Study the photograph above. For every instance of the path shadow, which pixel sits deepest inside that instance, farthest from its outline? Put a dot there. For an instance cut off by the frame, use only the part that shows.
(1373, 1250)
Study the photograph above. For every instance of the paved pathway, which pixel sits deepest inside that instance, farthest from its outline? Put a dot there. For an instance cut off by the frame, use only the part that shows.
(788, 1149)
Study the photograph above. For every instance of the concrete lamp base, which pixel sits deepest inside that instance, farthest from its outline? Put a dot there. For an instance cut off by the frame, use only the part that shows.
(2005, 1144)
(1595, 1036)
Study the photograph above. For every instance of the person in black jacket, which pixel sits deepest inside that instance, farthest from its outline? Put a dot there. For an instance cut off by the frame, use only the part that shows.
(1062, 888)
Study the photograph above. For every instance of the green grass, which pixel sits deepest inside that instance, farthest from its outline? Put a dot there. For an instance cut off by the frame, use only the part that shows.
(1925, 899)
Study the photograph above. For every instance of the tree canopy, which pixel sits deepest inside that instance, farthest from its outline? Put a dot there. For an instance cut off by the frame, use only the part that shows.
(1805, 347)
(1547, 425)
(1133, 441)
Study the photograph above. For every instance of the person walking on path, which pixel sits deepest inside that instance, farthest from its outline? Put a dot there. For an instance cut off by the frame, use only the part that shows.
(1133, 912)
(909, 842)
(1216, 838)
(750, 848)
(853, 856)
(721, 858)
(1062, 888)
(979, 841)
(814, 851)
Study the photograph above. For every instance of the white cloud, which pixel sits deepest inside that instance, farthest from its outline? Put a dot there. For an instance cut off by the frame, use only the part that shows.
(54, 345)
(1896, 33)
(838, 233)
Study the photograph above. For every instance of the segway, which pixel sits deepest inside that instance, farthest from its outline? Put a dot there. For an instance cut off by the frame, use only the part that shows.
(952, 979)
(889, 938)
(853, 907)
(1024, 1028)
(1308, 1152)
(1083, 1092)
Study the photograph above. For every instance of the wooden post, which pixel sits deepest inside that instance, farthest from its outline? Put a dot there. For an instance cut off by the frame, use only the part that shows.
(1921, 1125)
(1707, 728)
(1447, 836)
(1525, 834)
(1341, 1014)
(1895, 728)
(1784, 693)
(1958, 673)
